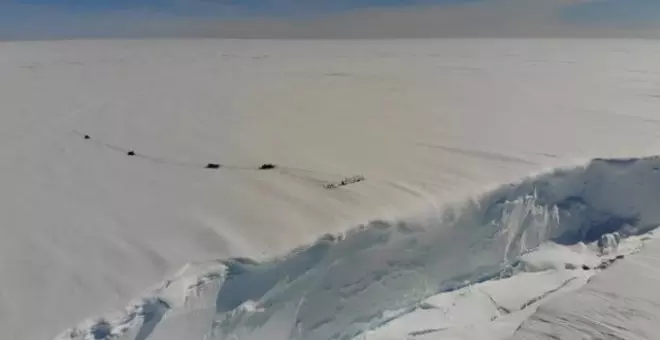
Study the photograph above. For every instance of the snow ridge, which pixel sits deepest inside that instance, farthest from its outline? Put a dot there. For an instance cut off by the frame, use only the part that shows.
(344, 286)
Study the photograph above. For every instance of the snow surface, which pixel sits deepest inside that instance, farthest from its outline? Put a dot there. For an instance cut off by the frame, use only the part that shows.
(427, 122)
(354, 285)
(620, 303)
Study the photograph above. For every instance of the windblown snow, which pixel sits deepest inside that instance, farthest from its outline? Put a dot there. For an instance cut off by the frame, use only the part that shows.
(106, 147)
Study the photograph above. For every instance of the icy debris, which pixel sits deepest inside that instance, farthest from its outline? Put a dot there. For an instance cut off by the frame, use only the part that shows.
(608, 243)
(551, 256)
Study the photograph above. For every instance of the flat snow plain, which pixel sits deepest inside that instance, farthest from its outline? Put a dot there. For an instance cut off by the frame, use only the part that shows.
(86, 229)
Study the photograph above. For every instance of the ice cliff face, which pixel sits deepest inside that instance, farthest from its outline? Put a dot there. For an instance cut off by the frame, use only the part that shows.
(343, 286)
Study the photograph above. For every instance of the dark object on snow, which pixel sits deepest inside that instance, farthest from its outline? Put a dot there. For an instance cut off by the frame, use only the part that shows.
(87, 137)
(213, 166)
(585, 267)
(267, 166)
(345, 181)
(131, 153)
(619, 257)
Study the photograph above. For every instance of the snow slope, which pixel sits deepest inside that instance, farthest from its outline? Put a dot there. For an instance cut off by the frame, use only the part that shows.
(621, 303)
(348, 286)
(85, 228)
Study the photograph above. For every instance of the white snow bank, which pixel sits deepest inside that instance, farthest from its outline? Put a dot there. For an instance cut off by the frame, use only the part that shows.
(188, 290)
(620, 303)
(552, 256)
(344, 286)
(490, 310)
(495, 309)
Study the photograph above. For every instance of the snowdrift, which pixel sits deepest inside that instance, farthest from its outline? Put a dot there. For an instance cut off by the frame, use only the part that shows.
(345, 285)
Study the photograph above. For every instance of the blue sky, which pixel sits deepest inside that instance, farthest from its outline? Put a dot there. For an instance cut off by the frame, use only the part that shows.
(64, 18)
(615, 12)
(222, 8)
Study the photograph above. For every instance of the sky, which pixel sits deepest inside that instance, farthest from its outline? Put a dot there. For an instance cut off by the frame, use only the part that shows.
(43, 19)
